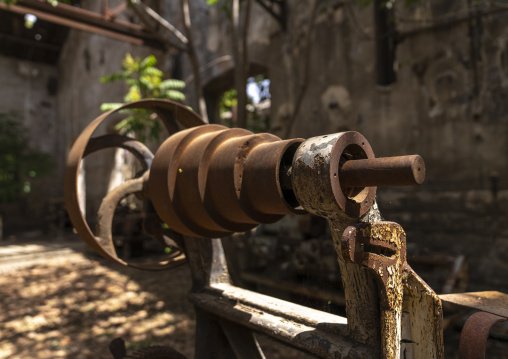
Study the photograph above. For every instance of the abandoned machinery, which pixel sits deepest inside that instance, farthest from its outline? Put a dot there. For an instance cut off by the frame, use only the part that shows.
(209, 181)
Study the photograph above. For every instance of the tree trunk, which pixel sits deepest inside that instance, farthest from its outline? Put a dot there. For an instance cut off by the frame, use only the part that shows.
(240, 57)
(198, 90)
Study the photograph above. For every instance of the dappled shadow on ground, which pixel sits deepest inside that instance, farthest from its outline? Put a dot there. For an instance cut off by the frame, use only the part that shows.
(74, 310)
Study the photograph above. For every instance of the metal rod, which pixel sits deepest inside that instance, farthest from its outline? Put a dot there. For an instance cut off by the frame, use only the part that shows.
(81, 19)
(386, 171)
(375, 172)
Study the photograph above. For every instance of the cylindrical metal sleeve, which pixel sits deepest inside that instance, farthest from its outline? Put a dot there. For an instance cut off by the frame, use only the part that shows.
(212, 181)
(315, 174)
(261, 175)
(225, 177)
(163, 173)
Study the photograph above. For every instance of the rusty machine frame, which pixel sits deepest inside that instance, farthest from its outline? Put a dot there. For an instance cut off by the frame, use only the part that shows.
(207, 181)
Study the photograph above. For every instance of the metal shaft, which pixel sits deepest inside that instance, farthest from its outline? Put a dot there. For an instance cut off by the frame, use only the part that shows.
(385, 171)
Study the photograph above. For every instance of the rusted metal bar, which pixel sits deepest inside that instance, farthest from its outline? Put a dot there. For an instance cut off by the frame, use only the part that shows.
(214, 295)
(86, 20)
(387, 171)
(475, 333)
(336, 298)
(139, 150)
(374, 172)
(314, 331)
(493, 302)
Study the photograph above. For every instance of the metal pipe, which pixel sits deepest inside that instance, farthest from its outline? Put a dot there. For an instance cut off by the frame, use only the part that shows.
(387, 171)
(81, 19)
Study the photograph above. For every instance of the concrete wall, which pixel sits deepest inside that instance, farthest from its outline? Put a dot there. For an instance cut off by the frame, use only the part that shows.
(27, 91)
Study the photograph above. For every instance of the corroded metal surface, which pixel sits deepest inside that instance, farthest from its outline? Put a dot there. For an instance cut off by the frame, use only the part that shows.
(422, 319)
(317, 188)
(414, 329)
(381, 247)
(311, 330)
(492, 302)
(410, 311)
(168, 111)
(474, 336)
(315, 174)
(388, 171)
(211, 181)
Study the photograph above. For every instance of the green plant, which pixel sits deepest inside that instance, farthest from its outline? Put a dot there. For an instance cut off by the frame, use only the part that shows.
(227, 104)
(256, 121)
(19, 165)
(145, 81)
(224, 4)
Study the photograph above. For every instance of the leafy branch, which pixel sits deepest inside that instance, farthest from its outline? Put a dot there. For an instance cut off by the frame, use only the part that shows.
(19, 164)
(145, 81)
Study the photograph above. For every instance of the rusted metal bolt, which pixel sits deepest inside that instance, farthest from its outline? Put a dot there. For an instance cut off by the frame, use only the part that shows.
(384, 171)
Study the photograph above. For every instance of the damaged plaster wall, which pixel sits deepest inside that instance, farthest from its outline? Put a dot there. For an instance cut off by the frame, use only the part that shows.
(29, 95)
(448, 104)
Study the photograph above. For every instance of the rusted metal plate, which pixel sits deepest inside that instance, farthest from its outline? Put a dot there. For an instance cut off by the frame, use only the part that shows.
(422, 319)
(474, 336)
(381, 247)
(491, 302)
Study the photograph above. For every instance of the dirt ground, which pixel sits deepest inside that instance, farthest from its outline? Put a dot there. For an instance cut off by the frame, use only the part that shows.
(73, 309)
